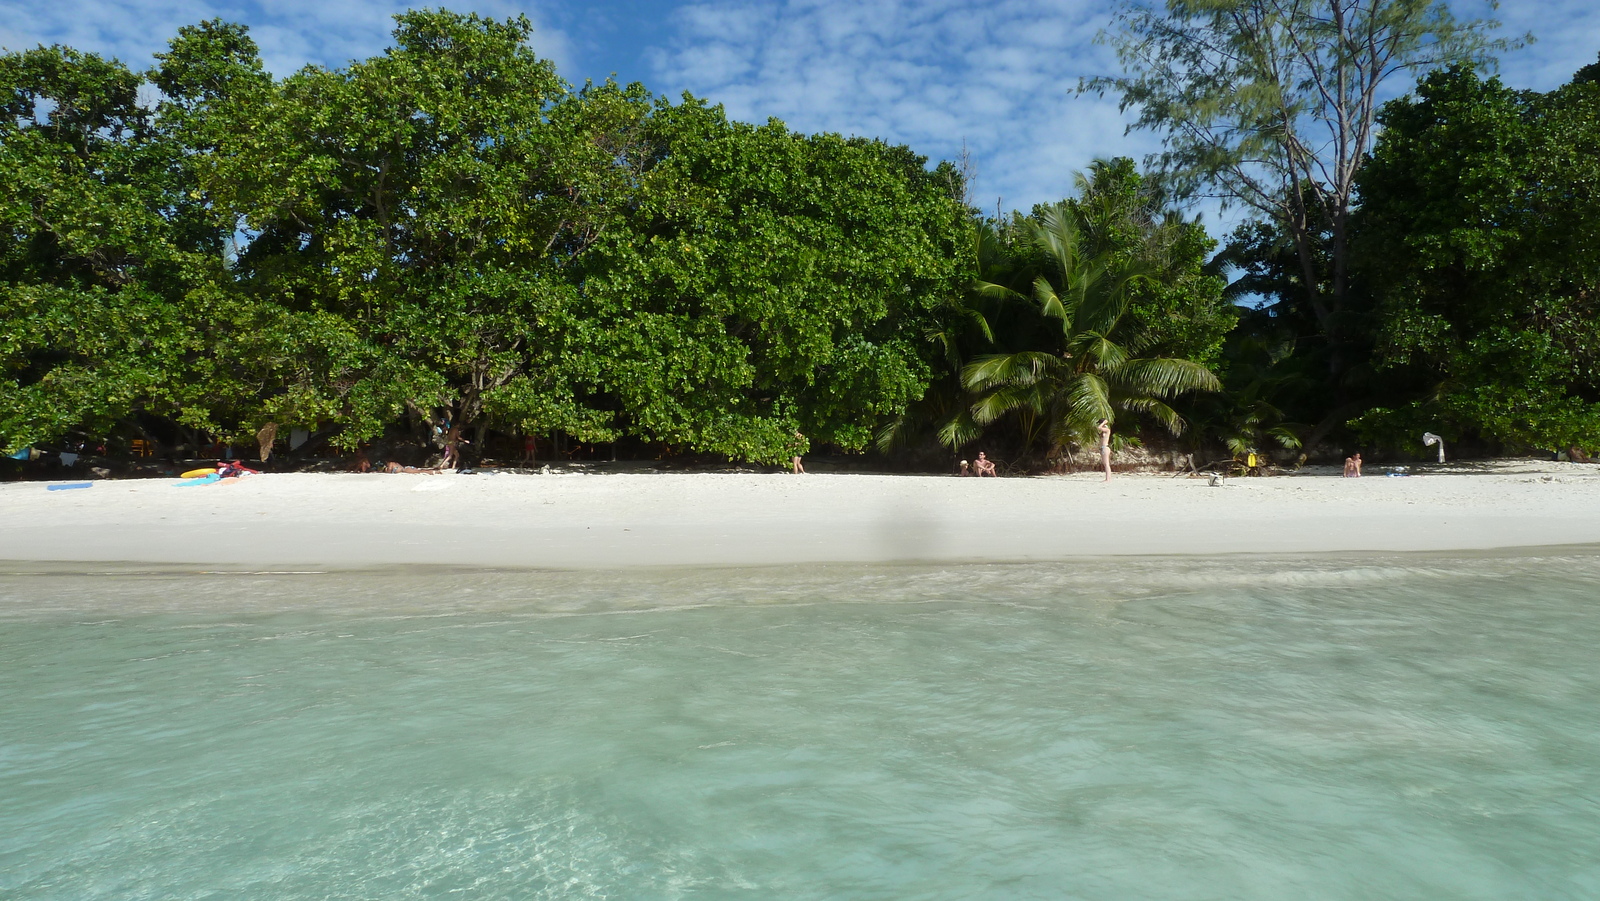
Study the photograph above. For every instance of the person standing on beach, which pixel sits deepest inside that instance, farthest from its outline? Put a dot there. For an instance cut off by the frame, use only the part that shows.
(1352, 466)
(795, 467)
(452, 449)
(1104, 428)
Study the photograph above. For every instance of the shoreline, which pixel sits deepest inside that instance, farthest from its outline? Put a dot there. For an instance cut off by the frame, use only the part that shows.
(569, 521)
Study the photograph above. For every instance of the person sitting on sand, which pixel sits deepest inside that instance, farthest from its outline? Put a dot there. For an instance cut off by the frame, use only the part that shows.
(1576, 455)
(966, 468)
(983, 466)
(1352, 466)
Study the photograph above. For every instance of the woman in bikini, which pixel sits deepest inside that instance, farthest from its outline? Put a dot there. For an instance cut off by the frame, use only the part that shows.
(1104, 428)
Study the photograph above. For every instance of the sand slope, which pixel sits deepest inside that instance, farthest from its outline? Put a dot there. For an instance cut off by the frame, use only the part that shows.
(579, 520)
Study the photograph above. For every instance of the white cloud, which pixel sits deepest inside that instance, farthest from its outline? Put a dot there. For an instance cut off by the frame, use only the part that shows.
(998, 75)
(291, 33)
(1567, 38)
(929, 73)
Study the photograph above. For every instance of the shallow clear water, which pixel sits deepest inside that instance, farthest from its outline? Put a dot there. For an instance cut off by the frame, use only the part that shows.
(1351, 728)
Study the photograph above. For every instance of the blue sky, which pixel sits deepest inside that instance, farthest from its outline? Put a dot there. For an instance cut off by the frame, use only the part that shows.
(998, 75)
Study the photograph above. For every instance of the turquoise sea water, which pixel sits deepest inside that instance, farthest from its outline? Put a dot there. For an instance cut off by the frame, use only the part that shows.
(1340, 728)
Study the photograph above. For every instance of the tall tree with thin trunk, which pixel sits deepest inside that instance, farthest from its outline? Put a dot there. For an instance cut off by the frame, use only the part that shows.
(1272, 105)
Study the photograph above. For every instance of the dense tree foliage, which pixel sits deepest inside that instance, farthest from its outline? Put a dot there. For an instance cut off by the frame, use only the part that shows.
(1101, 306)
(449, 236)
(1480, 243)
(448, 233)
(102, 250)
(1272, 104)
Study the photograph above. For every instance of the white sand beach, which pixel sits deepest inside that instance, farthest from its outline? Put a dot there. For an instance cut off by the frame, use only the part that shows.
(572, 520)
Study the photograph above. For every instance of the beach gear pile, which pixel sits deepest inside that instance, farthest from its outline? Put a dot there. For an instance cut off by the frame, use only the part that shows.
(225, 469)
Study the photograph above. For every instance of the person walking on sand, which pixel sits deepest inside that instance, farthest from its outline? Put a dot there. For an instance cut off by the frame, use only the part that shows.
(795, 467)
(452, 449)
(1352, 466)
(1104, 428)
(983, 466)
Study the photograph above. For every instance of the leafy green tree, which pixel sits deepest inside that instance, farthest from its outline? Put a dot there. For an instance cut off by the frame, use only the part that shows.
(454, 231)
(1123, 245)
(1272, 105)
(1480, 236)
(1093, 368)
(1260, 373)
(413, 218)
(768, 283)
(102, 254)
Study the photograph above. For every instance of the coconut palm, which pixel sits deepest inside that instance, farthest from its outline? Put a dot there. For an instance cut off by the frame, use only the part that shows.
(1097, 372)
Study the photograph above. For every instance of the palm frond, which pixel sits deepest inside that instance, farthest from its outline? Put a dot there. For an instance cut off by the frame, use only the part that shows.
(1286, 435)
(1165, 377)
(959, 429)
(1007, 399)
(1160, 412)
(891, 434)
(994, 291)
(1107, 353)
(991, 370)
(1087, 399)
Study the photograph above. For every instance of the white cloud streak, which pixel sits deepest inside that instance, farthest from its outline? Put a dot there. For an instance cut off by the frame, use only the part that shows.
(1566, 38)
(1000, 76)
(291, 33)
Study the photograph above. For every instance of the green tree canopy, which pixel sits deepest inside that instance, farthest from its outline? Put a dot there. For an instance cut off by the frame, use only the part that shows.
(1480, 239)
(1272, 104)
(1107, 293)
(768, 282)
(104, 249)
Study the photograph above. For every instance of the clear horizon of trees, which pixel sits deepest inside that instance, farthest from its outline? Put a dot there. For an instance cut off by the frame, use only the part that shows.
(448, 235)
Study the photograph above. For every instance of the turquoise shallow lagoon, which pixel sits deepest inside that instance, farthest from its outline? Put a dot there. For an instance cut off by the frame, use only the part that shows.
(1416, 727)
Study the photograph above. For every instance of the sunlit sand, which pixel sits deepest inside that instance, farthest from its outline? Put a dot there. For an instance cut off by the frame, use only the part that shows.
(577, 520)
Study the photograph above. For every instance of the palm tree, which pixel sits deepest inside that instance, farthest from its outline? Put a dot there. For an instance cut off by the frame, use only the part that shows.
(1098, 371)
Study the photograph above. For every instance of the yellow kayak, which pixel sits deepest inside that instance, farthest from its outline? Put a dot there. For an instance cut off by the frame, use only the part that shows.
(200, 473)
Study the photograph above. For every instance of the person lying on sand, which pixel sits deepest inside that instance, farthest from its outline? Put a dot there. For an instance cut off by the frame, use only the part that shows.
(983, 466)
(1352, 466)
(393, 466)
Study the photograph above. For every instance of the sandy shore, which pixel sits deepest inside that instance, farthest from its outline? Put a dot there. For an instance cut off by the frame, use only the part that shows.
(587, 520)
